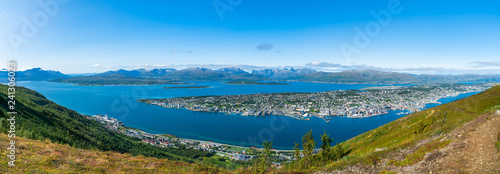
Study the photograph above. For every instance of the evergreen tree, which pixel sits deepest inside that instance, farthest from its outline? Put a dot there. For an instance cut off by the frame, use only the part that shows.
(296, 155)
(325, 147)
(308, 145)
(264, 159)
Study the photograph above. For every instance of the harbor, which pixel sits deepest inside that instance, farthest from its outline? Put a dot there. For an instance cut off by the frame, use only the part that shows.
(370, 102)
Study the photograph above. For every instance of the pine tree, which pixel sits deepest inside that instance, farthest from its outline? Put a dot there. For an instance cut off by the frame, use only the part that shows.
(308, 145)
(296, 155)
(325, 153)
(264, 158)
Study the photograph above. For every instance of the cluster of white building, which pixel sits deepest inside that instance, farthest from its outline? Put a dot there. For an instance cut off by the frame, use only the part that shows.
(353, 103)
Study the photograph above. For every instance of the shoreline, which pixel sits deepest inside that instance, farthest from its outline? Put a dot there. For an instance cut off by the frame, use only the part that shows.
(211, 142)
(284, 150)
(359, 110)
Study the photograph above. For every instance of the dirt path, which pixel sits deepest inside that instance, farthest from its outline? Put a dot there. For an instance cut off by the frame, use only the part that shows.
(472, 150)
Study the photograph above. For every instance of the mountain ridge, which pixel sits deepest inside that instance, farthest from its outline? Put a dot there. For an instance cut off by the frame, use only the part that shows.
(362, 76)
(174, 76)
(34, 74)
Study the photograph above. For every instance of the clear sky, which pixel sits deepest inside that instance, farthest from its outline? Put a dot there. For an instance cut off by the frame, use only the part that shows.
(81, 36)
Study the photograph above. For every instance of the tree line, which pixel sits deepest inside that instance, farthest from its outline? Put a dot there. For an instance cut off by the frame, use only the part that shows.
(39, 118)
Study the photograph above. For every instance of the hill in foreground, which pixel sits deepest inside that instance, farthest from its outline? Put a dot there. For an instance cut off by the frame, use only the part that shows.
(36, 156)
(454, 137)
(39, 118)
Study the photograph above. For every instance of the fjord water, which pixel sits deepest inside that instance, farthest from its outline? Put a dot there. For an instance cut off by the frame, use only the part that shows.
(120, 102)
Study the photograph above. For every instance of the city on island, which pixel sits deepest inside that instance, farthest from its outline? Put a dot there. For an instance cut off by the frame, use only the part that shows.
(368, 102)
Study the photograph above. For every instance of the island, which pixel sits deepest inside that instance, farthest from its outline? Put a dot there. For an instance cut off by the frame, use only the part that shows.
(350, 103)
(251, 82)
(186, 87)
(115, 80)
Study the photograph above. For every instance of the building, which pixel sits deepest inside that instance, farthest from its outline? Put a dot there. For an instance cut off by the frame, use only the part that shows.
(241, 157)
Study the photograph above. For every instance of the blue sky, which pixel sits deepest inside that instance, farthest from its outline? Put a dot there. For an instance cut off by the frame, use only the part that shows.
(95, 36)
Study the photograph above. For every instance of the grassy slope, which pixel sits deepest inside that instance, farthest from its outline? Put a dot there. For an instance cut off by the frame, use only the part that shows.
(44, 157)
(39, 118)
(408, 130)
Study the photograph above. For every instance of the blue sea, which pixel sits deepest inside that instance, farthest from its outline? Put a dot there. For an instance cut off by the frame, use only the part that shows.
(121, 102)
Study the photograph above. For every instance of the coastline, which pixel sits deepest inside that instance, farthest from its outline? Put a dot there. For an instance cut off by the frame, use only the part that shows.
(298, 117)
(357, 104)
(284, 150)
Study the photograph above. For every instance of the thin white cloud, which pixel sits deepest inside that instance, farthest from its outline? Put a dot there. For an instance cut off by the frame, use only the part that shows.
(485, 64)
(102, 66)
(478, 68)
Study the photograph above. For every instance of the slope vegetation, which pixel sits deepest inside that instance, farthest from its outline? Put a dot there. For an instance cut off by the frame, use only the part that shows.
(412, 143)
(45, 157)
(39, 118)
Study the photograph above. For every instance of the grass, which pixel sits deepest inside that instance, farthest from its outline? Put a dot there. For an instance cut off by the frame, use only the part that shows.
(407, 131)
(425, 124)
(236, 149)
(386, 172)
(45, 157)
(418, 155)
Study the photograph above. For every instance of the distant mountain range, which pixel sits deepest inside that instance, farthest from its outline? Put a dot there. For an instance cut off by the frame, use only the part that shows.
(383, 77)
(161, 76)
(173, 76)
(359, 76)
(283, 73)
(34, 74)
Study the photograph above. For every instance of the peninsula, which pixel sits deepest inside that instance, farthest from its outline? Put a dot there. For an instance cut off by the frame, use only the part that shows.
(350, 103)
(251, 82)
(186, 87)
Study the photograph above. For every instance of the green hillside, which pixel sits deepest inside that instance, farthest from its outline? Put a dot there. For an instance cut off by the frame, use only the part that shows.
(420, 132)
(430, 122)
(40, 119)
(46, 157)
